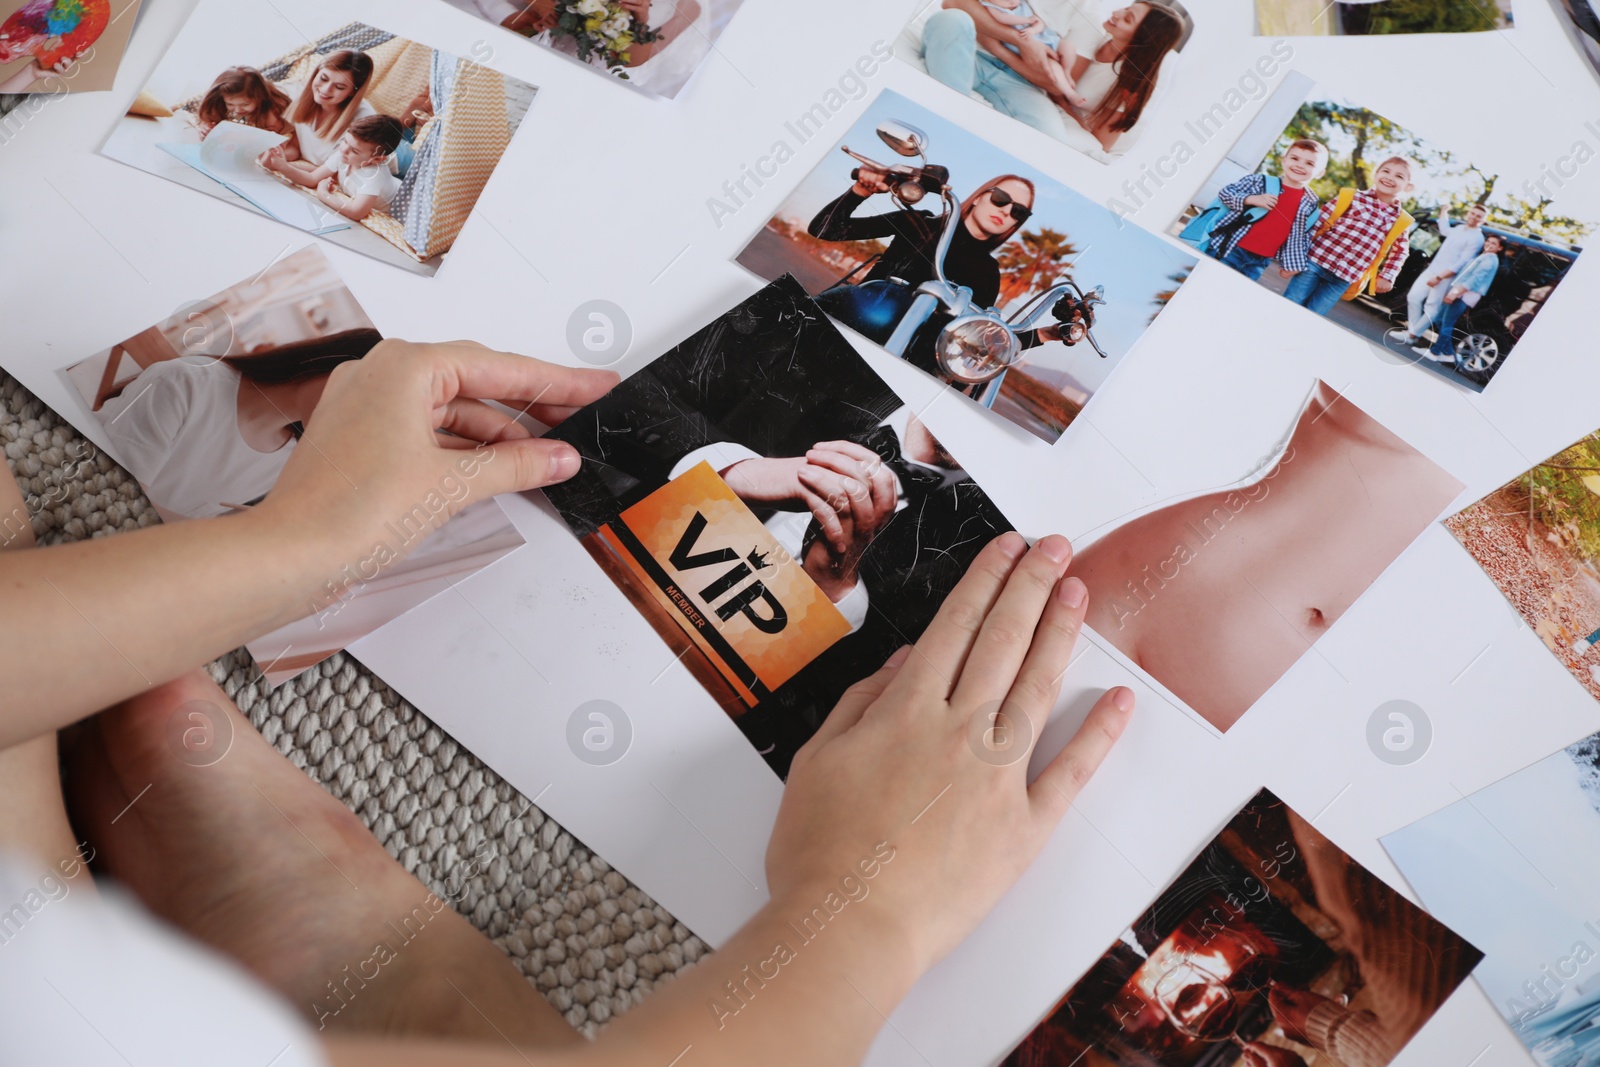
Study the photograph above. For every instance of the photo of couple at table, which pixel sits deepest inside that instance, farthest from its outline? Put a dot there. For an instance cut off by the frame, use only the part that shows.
(1274, 948)
(776, 513)
(1352, 216)
(1083, 76)
(379, 143)
(205, 408)
(653, 44)
(1025, 246)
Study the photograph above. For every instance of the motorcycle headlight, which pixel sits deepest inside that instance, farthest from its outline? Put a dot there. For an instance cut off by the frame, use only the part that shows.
(1073, 332)
(976, 348)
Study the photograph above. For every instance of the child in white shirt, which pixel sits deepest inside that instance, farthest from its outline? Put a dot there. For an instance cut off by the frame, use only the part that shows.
(355, 181)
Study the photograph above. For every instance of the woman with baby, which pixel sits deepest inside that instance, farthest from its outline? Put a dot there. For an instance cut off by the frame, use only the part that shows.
(1003, 52)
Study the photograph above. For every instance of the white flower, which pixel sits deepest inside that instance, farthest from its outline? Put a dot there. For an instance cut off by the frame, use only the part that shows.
(590, 8)
(617, 25)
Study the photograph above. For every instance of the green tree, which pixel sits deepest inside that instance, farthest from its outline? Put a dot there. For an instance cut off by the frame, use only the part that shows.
(1563, 494)
(1434, 16)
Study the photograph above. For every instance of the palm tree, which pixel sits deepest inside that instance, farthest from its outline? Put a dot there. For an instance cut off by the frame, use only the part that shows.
(1033, 263)
(1177, 278)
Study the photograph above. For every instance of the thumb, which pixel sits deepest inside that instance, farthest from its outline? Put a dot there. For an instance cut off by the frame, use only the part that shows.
(518, 465)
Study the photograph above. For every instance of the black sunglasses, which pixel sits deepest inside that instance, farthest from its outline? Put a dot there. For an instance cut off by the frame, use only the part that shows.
(1002, 199)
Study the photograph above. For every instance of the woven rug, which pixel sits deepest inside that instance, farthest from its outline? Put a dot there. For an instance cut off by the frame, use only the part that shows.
(591, 942)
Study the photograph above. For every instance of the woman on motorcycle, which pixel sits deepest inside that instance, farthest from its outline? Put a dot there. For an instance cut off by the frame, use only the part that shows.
(989, 218)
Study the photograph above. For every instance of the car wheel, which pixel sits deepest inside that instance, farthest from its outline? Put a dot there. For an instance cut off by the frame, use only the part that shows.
(1477, 352)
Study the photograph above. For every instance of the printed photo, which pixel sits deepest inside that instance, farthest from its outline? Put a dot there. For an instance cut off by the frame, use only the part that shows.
(1009, 287)
(1398, 240)
(715, 491)
(63, 46)
(1217, 595)
(205, 407)
(1582, 25)
(295, 111)
(1086, 75)
(1538, 538)
(1314, 18)
(656, 45)
(1516, 868)
(1272, 949)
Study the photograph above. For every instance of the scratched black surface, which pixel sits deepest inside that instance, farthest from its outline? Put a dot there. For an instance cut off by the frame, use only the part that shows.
(774, 375)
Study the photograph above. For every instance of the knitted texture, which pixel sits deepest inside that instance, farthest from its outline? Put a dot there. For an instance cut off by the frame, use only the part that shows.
(589, 941)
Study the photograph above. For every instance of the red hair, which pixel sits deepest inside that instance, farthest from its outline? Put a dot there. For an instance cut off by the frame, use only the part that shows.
(967, 204)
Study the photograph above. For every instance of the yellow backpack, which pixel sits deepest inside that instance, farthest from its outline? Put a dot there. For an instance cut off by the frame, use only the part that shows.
(1369, 277)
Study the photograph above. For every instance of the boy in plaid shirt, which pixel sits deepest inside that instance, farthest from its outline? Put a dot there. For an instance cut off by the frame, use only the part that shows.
(1284, 232)
(1348, 247)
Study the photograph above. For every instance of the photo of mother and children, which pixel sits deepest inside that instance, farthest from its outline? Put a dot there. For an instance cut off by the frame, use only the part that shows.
(358, 127)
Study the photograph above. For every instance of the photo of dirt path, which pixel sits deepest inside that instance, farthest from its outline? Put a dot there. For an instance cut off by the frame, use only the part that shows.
(1539, 570)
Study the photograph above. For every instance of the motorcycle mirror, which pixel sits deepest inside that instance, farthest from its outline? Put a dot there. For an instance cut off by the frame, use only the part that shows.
(903, 137)
(1098, 293)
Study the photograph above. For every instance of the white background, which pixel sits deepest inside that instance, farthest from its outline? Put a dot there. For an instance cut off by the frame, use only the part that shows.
(603, 195)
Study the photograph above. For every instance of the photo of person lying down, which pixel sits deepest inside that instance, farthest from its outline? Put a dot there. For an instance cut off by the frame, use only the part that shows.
(206, 407)
(774, 510)
(1218, 595)
(1086, 75)
(380, 144)
(1274, 948)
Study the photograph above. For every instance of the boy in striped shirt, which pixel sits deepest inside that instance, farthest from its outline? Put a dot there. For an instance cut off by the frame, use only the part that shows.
(1349, 246)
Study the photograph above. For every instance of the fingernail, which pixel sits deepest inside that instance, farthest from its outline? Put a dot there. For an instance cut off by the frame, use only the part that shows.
(1073, 592)
(1123, 699)
(1057, 548)
(901, 654)
(564, 463)
(1013, 544)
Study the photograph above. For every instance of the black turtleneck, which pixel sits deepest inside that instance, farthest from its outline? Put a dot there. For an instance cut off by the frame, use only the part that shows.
(914, 237)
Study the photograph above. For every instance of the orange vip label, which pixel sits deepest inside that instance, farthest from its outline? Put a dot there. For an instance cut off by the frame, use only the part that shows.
(740, 596)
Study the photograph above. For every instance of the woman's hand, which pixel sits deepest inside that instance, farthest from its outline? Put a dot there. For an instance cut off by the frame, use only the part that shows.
(914, 764)
(373, 459)
(1452, 295)
(870, 180)
(273, 159)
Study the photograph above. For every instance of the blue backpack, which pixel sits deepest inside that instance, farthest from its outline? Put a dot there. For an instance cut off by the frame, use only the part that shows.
(1200, 229)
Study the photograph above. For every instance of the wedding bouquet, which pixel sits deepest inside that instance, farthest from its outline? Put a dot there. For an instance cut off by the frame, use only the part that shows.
(601, 30)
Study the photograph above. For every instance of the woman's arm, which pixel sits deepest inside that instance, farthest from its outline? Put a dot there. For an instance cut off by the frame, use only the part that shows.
(892, 842)
(837, 222)
(1028, 61)
(109, 618)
